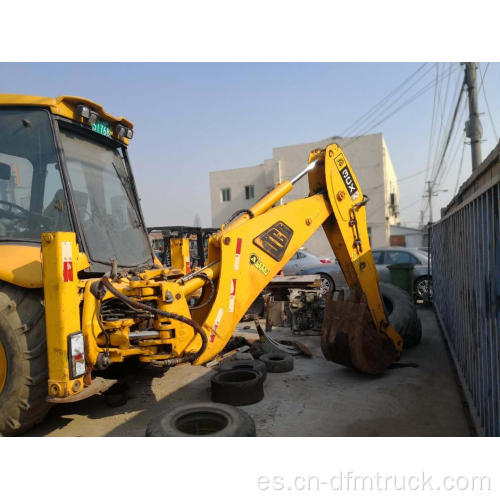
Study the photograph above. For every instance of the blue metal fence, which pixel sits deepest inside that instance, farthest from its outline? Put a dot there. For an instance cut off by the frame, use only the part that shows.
(465, 252)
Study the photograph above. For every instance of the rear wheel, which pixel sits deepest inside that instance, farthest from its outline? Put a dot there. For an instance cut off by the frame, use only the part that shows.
(23, 359)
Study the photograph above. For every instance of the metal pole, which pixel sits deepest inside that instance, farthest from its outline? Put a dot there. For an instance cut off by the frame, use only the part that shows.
(429, 194)
(473, 127)
(304, 172)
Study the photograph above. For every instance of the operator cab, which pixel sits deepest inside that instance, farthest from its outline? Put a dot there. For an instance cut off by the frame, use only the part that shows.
(64, 167)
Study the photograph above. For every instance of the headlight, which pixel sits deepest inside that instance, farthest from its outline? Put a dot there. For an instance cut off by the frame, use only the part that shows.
(83, 111)
(120, 131)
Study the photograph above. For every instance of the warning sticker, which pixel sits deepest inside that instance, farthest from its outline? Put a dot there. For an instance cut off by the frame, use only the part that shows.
(67, 259)
(255, 261)
(237, 256)
(218, 319)
(232, 296)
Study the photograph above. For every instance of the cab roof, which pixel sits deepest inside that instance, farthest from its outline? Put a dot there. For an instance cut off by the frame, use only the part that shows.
(63, 105)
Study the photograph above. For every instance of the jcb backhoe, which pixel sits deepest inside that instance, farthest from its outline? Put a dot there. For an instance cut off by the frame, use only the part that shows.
(80, 288)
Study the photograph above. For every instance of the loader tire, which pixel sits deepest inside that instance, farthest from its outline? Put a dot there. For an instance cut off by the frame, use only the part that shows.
(23, 359)
(401, 313)
(203, 419)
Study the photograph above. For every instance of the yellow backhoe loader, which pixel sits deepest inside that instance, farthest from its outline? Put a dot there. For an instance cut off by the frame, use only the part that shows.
(80, 287)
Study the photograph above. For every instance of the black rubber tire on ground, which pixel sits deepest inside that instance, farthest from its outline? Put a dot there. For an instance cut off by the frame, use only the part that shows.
(278, 362)
(326, 279)
(402, 313)
(250, 364)
(238, 387)
(22, 334)
(203, 419)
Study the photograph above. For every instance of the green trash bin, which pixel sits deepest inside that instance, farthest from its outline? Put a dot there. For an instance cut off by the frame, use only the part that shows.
(402, 276)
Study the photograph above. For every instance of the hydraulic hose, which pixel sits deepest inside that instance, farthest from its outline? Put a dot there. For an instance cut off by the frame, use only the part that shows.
(188, 358)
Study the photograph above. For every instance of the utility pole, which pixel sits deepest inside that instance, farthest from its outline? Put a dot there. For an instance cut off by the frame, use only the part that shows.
(473, 127)
(429, 195)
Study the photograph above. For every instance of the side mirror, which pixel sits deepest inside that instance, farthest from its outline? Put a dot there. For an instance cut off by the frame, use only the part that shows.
(4, 171)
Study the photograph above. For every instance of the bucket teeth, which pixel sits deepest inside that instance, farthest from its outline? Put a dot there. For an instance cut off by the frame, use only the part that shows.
(350, 338)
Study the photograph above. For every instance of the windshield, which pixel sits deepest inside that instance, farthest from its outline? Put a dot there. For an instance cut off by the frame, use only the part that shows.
(104, 201)
(31, 195)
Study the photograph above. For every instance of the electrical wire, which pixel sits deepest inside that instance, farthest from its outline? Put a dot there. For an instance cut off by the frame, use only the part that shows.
(411, 176)
(374, 109)
(446, 125)
(431, 136)
(459, 170)
(448, 138)
(411, 99)
(486, 100)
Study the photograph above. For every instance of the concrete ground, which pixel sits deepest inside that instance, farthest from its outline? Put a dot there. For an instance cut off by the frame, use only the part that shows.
(317, 398)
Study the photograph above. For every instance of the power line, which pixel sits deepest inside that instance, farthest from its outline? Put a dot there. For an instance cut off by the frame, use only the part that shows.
(486, 100)
(450, 162)
(434, 107)
(459, 171)
(447, 142)
(381, 102)
(431, 137)
(411, 176)
(368, 124)
(410, 204)
(415, 96)
(445, 125)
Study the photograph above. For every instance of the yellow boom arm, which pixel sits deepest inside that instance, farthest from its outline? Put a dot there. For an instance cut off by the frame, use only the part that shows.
(250, 251)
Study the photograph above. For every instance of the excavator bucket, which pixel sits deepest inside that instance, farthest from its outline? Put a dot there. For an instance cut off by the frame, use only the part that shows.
(349, 337)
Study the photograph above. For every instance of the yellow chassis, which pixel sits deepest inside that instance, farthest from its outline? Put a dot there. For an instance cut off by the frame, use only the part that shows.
(244, 257)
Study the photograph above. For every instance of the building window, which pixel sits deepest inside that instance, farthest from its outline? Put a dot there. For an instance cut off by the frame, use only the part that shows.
(249, 193)
(225, 194)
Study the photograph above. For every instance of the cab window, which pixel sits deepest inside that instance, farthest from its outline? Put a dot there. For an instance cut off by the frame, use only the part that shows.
(31, 194)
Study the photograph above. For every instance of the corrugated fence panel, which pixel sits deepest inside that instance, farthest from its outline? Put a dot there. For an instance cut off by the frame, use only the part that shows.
(465, 252)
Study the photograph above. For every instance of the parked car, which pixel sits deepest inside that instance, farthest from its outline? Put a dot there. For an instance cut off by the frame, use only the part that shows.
(303, 259)
(332, 276)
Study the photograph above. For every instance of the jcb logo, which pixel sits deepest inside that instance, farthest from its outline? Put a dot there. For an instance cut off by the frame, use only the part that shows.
(274, 240)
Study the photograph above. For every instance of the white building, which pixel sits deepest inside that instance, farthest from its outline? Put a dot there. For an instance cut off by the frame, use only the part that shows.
(232, 190)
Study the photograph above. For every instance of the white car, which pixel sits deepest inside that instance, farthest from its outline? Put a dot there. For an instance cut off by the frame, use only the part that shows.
(302, 260)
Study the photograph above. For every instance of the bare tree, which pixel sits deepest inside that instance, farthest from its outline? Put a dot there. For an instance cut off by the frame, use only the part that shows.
(197, 221)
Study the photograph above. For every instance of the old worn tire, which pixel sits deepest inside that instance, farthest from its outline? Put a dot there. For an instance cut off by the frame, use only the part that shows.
(203, 419)
(278, 362)
(238, 387)
(250, 364)
(22, 335)
(402, 313)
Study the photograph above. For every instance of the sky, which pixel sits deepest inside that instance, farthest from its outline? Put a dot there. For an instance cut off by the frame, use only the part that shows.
(192, 118)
